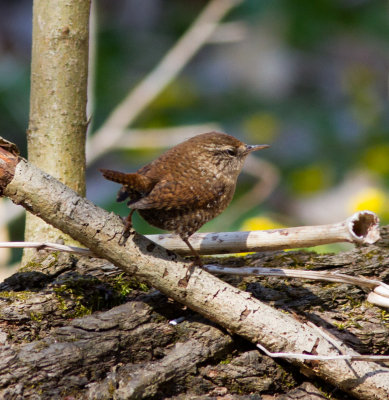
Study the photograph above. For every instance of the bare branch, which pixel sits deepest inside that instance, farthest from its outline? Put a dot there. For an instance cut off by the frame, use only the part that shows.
(361, 228)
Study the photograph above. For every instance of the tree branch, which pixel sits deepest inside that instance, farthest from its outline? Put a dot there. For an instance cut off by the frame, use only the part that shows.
(361, 228)
(230, 307)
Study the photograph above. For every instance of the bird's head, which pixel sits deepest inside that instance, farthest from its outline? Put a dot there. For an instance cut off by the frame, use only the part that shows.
(224, 152)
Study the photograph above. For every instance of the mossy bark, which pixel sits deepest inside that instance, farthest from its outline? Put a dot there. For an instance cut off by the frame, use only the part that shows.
(58, 122)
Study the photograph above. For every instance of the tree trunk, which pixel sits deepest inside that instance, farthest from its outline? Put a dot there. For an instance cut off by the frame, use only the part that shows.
(57, 126)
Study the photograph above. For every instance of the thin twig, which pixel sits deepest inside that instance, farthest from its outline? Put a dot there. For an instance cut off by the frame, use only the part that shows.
(296, 273)
(347, 357)
(47, 246)
(379, 295)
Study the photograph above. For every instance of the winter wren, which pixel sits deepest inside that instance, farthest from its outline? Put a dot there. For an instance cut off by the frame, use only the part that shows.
(186, 186)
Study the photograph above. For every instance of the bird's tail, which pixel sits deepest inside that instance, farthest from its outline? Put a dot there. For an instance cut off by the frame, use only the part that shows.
(116, 176)
(137, 182)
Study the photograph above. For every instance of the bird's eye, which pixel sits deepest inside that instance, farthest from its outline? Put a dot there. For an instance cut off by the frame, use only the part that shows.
(231, 152)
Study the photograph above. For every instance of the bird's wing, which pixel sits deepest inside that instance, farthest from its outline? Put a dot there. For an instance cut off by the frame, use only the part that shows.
(168, 194)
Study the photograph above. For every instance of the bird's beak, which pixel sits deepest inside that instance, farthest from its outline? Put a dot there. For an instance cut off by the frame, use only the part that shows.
(250, 148)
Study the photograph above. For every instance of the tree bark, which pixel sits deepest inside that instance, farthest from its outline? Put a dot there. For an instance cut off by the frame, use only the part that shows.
(59, 74)
(131, 351)
(234, 309)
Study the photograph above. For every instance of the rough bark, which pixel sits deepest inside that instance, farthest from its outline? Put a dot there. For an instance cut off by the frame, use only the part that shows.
(57, 125)
(130, 350)
(230, 307)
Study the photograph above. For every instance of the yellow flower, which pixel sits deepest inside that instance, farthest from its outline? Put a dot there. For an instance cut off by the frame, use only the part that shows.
(370, 198)
(259, 223)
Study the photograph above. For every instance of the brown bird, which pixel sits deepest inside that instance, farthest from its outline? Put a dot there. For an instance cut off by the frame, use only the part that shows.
(186, 186)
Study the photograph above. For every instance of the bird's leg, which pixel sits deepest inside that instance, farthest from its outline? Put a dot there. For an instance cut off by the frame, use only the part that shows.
(127, 229)
(196, 255)
(196, 263)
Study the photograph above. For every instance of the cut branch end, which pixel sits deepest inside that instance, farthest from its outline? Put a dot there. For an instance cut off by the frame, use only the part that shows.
(364, 227)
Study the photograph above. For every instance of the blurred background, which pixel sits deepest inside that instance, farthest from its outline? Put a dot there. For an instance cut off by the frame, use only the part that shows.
(308, 78)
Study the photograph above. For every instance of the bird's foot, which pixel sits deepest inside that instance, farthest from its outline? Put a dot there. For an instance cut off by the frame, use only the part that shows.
(124, 237)
(127, 230)
(183, 282)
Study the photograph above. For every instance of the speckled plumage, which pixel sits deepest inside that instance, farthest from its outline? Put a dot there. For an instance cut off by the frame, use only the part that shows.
(187, 185)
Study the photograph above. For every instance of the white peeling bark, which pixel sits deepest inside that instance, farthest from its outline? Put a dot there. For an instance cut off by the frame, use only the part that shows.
(361, 228)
